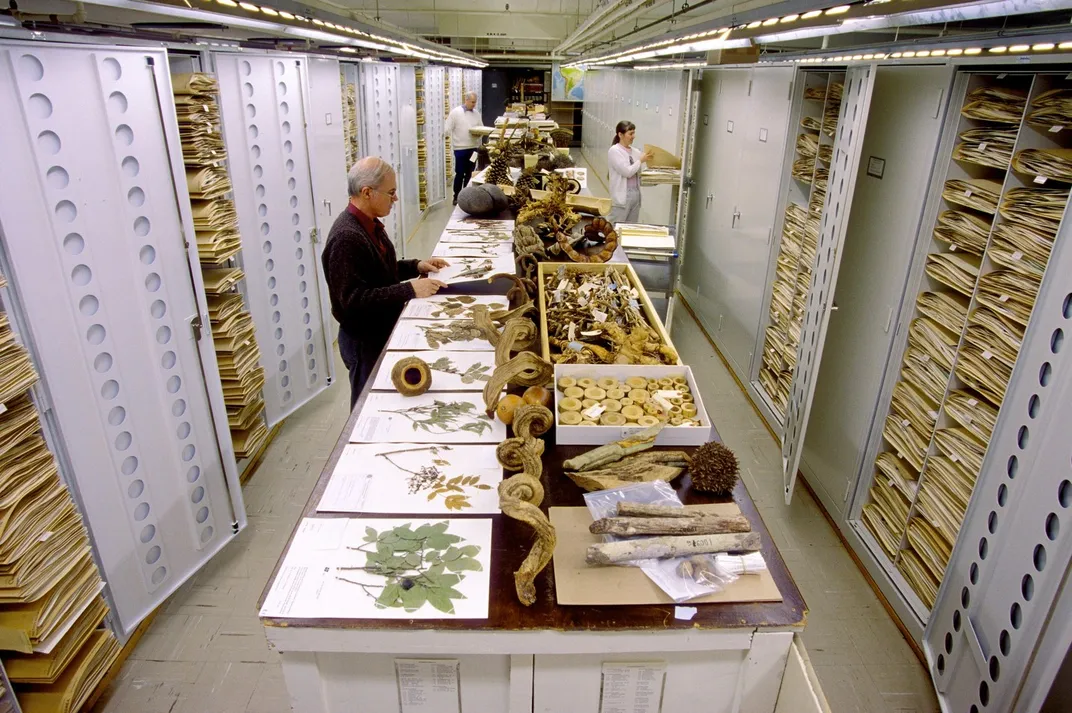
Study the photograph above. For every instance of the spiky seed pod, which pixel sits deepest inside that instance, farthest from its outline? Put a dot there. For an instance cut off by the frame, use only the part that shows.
(561, 160)
(714, 469)
(411, 376)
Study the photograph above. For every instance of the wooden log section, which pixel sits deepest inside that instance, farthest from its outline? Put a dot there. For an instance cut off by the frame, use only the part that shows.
(706, 525)
(608, 553)
(628, 509)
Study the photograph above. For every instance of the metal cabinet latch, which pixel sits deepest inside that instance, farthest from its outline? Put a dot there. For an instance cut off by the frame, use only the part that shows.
(327, 204)
(196, 325)
(707, 203)
(314, 235)
(736, 216)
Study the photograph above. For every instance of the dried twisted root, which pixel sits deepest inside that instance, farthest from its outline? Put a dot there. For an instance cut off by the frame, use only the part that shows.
(600, 230)
(521, 293)
(518, 335)
(526, 369)
(528, 264)
(505, 315)
(520, 495)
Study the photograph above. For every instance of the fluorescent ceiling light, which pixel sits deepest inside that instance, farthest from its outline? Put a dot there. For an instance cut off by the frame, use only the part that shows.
(955, 52)
(999, 49)
(269, 11)
(811, 14)
(790, 18)
(973, 50)
(839, 10)
(1043, 47)
(771, 21)
(249, 6)
(754, 25)
(1020, 48)
(286, 15)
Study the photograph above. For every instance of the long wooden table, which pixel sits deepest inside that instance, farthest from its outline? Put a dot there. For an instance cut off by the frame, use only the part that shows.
(547, 657)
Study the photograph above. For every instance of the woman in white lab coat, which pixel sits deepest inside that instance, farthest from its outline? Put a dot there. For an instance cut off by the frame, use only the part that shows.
(625, 163)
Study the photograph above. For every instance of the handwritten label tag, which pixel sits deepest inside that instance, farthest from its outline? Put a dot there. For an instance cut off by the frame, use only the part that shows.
(561, 286)
(973, 402)
(473, 158)
(982, 146)
(968, 420)
(592, 333)
(45, 537)
(1056, 129)
(599, 315)
(952, 248)
(900, 455)
(968, 193)
(1017, 255)
(595, 412)
(3, 408)
(987, 355)
(1003, 298)
(1040, 180)
(955, 458)
(905, 423)
(572, 330)
(925, 358)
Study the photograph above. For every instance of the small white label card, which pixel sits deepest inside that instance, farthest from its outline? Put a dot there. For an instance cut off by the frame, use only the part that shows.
(454, 334)
(446, 306)
(632, 687)
(414, 478)
(373, 568)
(470, 223)
(449, 250)
(451, 371)
(428, 685)
(432, 417)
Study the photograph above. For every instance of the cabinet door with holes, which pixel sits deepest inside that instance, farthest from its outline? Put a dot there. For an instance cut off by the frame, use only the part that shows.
(96, 234)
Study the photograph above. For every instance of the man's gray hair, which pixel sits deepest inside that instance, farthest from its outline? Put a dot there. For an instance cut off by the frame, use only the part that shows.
(470, 95)
(369, 172)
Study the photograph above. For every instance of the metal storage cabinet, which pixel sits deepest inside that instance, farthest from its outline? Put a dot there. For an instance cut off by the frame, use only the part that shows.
(408, 188)
(741, 131)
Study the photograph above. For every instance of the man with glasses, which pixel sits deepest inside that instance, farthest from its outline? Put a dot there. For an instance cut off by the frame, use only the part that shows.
(459, 121)
(366, 281)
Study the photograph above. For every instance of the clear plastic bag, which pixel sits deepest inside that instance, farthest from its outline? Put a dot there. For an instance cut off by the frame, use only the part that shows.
(682, 578)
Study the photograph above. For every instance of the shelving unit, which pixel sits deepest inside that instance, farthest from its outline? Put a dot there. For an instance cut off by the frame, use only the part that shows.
(432, 172)
(349, 117)
(422, 141)
(822, 94)
(51, 609)
(220, 249)
(1000, 211)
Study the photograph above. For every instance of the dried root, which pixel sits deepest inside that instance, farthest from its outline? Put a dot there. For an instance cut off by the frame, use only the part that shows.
(518, 335)
(520, 495)
(411, 376)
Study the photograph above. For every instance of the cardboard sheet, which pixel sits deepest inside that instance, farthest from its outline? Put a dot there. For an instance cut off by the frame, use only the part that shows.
(577, 583)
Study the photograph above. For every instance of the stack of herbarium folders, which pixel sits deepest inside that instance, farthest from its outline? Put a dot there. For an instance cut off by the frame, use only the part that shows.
(414, 463)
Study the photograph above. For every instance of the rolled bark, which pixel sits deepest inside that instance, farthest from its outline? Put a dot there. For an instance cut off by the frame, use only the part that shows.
(628, 509)
(706, 525)
(619, 477)
(608, 553)
(612, 452)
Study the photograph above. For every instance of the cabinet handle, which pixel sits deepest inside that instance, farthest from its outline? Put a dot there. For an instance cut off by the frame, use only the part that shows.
(736, 217)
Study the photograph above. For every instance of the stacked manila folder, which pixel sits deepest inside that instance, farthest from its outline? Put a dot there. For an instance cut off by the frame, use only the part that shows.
(78, 681)
(241, 374)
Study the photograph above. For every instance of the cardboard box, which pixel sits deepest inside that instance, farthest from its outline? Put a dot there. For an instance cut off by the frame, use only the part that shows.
(600, 435)
(550, 268)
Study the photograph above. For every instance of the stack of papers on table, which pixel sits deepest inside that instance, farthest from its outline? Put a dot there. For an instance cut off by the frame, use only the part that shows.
(451, 306)
(660, 176)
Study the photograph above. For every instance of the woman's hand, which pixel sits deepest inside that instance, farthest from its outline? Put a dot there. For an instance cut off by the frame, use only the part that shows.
(434, 264)
(647, 156)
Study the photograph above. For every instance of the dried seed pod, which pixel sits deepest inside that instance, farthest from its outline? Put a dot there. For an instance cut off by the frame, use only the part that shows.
(569, 418)
(574, 392)
(567, 382)
(411, 376)
(636, 382)
(611, 405)
(612, 419)
(676, 420)
(628, 402)
(714, 469)
(607, 382)
(666, 383)
(594, 392)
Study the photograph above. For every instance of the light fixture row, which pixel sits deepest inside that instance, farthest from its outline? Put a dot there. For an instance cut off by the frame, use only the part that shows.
(940, 52)
(374, 41)
(698, 42)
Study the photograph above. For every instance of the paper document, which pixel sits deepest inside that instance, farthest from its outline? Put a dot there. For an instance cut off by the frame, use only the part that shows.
(451, 371)
(449, 250)
(411, 478)
(428, 685)
(475, 269)
(400, 568)
(454, 334)
(446, 306)
(433, 417)
(632, 687)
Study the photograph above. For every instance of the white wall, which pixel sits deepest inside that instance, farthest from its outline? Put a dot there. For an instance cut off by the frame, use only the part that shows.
(654, 101)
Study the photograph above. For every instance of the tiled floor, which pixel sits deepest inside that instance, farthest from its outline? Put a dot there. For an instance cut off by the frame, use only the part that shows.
(206, 652)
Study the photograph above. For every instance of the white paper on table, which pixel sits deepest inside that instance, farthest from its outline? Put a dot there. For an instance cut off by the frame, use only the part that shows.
(477, 235)
(449, 250)
(413, 334)
(471, 223)
(428, 685)
(387, 478)
(478, 269)
(451, 371)
(433, 307)
(388, 417)
(310, 583)
(649, 242)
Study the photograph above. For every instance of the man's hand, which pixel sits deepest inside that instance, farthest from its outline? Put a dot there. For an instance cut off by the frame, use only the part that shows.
(431, 265)
(427, 287)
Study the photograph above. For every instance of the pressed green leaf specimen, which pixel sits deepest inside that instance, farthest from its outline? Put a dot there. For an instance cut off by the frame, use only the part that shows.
(428, 478)
(410, 568)
(446, 417)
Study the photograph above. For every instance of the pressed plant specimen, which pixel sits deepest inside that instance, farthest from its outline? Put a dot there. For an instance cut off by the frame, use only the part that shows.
(430, 479)
(446, 417)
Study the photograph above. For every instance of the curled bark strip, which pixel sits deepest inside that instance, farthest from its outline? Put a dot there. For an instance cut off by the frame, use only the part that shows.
(518, 335)
(526, 369)
(522, 291)
(527, 265)
(520, 495)
(483, 321)
(505, 315)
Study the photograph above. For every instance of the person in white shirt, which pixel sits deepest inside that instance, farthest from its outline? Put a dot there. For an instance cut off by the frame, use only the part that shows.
(459, 121)
(625, 163)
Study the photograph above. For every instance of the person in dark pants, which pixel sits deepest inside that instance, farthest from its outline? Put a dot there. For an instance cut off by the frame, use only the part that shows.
(459, 121)
(365, 278)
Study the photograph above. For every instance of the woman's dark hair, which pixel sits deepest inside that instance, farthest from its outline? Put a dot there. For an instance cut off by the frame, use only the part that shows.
(623, 127)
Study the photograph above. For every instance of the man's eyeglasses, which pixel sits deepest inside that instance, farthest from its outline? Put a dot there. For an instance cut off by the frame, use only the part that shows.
(393, 193)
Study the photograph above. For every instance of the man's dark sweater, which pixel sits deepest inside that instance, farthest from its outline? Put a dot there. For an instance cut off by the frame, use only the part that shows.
(364, 278)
